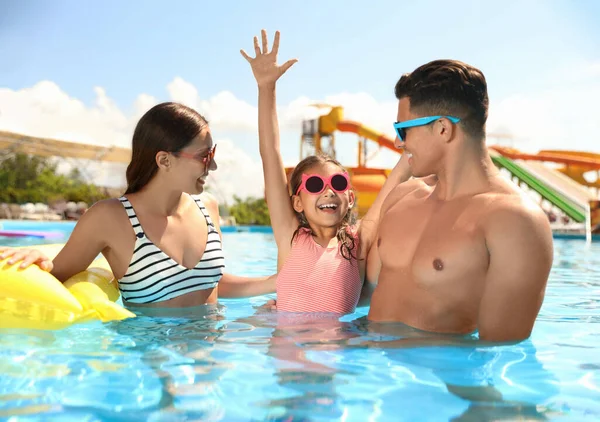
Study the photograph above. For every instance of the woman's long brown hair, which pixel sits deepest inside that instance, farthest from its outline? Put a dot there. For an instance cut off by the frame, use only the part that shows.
(166, 127)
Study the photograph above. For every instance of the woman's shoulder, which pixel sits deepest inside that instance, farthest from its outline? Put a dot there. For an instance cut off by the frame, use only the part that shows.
(211, 205)
(207, 199)
(106, 207)
(104, 217)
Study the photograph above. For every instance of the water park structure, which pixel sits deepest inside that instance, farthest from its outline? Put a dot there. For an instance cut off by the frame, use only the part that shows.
(571, 186)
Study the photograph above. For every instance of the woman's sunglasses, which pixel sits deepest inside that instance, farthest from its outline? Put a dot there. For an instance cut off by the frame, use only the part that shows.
(315, 184)
(203, 158)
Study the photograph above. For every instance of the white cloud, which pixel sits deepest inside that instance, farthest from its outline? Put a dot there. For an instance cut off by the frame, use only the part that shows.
(237, 174)
(563, 115)
(226, 112)
(183, 92)
(45, 110)
(142, 104)
(364, 108)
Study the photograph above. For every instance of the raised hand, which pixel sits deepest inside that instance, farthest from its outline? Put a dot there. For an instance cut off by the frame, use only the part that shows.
(264, 65)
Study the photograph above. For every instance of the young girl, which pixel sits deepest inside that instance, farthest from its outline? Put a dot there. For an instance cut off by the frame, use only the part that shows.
(321, 248)
(162, 238)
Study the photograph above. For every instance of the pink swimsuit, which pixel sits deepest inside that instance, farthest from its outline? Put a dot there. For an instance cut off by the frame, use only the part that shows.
(318, 279)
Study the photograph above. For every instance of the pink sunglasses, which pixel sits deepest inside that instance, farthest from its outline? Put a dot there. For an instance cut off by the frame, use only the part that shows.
(315, 184)
(206, 159)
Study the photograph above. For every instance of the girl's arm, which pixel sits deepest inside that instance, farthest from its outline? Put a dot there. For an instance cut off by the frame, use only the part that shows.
(267, 72)
(233, 286)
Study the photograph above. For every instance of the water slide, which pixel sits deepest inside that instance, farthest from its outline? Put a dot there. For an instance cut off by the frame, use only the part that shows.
(553, 186)
(366, 132)
(589, 159)
(572, 163)
(334, 121)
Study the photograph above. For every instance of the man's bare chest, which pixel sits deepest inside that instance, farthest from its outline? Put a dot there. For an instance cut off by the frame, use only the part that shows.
(432, 242)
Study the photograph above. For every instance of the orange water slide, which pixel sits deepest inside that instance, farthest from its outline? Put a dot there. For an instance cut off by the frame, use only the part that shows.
(367, 132)
(334, 121)
(582, 159)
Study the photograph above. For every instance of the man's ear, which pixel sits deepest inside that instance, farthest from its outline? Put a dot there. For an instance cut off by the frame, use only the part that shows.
(445, 129)
(163, 160)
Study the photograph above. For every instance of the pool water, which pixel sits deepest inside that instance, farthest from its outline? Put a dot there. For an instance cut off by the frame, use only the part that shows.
(238, 362)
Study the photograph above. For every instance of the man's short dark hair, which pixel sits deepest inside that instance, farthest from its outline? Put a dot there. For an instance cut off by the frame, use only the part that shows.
(448, 87)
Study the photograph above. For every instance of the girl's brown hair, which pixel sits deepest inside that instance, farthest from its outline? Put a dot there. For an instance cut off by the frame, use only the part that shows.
(166, 127)
(346, 240)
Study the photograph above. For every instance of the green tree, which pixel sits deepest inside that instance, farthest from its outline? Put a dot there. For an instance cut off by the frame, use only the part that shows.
(25, 178)
(250, 211)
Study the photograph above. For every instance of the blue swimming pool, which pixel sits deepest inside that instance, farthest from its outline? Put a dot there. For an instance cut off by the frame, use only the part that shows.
(238, 363)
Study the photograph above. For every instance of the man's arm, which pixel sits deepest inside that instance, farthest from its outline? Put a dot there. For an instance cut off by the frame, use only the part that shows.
(519, 241)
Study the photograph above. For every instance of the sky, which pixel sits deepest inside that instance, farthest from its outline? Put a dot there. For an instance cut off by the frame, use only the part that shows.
(86, 72)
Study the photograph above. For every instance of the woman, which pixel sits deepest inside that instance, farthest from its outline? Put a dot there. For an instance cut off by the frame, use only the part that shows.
(161, 239)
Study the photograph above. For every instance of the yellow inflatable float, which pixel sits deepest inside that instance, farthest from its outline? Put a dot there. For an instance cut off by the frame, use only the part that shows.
(33, 298)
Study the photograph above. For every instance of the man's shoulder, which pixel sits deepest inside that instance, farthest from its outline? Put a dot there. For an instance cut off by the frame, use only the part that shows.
(403, 190)
(513, 211)
(418, 183)
(422, 184)
(418, 187)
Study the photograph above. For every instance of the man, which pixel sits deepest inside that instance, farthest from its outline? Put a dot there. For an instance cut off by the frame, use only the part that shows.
(459, 248)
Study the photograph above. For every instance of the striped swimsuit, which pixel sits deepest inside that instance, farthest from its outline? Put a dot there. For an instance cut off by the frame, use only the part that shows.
(153, 276)
(317, 279)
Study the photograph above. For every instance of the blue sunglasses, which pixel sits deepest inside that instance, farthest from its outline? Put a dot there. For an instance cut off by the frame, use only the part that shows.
(421, 121)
